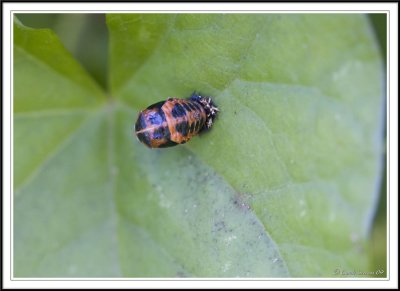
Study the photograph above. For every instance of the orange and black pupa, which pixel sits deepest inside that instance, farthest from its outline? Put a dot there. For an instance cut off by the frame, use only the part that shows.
(175, 121)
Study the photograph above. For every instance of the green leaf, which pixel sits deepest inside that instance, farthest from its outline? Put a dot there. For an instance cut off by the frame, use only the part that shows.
(59, 203)
(284, 185)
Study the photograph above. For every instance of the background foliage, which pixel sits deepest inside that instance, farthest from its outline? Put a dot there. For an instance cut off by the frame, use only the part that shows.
(282, 186)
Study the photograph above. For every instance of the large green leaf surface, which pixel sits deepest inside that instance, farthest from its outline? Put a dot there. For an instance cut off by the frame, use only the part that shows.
(284, 185)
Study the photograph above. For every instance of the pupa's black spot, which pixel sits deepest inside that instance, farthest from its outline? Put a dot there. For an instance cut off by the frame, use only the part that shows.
(144, 137)
(191, 129)
(140, 123)
(178, 111)
(187, 107)
(156, 105)
(169, 143)
(182, 128)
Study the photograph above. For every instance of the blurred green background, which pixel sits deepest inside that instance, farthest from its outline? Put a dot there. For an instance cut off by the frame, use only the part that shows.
(86, 37)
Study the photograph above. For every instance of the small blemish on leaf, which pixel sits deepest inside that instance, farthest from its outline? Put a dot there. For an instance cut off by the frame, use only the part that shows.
(240, 203)
(219, 225)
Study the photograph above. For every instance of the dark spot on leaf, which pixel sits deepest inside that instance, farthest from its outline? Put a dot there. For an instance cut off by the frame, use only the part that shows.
(239, 202)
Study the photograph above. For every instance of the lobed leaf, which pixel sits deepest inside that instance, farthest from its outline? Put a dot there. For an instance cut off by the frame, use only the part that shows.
(283, 185)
